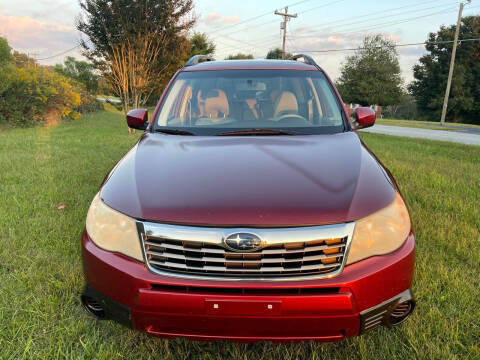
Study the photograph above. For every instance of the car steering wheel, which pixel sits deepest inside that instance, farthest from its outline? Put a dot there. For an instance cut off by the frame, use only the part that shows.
(286, 116)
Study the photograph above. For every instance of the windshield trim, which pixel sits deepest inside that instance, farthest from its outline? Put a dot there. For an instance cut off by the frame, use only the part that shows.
(213, 131)
(218, 131)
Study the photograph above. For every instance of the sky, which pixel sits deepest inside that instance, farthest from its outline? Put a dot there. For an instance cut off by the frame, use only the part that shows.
(46, 28)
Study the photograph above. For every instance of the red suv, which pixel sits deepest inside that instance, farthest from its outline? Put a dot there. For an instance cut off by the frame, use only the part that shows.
(249, 210)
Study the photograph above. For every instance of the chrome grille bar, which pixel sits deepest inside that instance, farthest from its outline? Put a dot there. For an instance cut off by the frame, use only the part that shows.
(221, 251)
(223, 269)
(240, 261)
(285, 254)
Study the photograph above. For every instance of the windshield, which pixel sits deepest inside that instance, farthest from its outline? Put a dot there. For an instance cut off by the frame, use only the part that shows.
(234, 101)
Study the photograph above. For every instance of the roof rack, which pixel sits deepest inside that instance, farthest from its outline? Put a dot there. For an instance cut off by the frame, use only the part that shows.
(194, 60)
(307, 59)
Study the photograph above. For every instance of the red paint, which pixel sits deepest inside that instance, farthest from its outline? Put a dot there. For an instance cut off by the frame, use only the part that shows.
(365, 117)
(136, 118)
(327, 316)
(256, 182)
(250, 65)
(252, 181)
(228, 306)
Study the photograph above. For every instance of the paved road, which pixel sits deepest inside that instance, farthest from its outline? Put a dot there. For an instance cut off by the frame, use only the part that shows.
(442, 135)
(466, 129)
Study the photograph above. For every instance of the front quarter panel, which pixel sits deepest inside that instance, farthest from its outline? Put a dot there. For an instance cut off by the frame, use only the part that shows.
(375, 188)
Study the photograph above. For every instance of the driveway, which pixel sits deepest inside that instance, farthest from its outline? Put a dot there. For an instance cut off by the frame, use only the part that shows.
(441, 135)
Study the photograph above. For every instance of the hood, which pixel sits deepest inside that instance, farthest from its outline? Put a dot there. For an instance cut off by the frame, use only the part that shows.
(248, 181)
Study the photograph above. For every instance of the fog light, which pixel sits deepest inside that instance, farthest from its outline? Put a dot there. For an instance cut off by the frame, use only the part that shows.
(93, 306)
(401, 312)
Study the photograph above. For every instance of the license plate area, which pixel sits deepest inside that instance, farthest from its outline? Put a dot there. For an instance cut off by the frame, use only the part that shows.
(243, 307)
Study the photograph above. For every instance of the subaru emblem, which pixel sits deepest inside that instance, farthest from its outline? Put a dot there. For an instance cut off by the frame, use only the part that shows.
(243, 242)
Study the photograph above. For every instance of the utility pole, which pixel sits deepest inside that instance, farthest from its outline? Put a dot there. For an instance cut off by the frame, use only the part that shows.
(35, 59)
(283, 26)
(32, 56)
(452, 64)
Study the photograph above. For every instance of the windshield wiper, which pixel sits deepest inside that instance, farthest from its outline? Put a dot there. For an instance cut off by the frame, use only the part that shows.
(174, 132)
(257, 132)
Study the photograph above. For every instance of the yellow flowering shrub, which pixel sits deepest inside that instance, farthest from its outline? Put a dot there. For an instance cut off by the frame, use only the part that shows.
(39, 95)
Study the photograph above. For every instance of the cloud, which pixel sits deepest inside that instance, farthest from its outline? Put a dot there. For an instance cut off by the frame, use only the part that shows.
(325, 40)
(230, 19)
(215, 18)
(45, 38)
(212, 18)
(310, 40)
(329, 39)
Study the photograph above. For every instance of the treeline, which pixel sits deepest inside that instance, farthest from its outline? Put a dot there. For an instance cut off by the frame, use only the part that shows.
(431, 74)
(372, 76)
(137, 46)
(32, 94)
(134, 48)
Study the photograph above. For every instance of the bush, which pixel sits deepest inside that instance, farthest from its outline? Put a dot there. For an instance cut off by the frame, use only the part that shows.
(38, 95)
(80, 71)
(89, 105)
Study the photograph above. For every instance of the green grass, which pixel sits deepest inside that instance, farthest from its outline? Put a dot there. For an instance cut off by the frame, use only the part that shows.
(424, 124)
(41, 273)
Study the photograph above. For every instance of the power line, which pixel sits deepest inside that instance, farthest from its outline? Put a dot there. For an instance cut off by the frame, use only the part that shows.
(376, 25)
(444, 11)
(352, 23)
(396, 45)
(261, 43)
(375, 13)
(258, 17)
(389, 23)
(59, 54)
(401, 21)
(321, 6)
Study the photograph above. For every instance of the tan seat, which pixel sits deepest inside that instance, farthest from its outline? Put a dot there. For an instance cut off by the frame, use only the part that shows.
(274, 95)
(285, 103)
(216, 104)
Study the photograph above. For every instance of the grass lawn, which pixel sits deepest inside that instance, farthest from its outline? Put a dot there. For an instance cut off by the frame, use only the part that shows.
(41, 275)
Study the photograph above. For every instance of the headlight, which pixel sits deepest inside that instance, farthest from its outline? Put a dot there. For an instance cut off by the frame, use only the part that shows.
(380, 233)
(113, 231)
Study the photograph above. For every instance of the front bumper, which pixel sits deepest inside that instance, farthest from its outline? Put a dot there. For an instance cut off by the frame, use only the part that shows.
(358, 299)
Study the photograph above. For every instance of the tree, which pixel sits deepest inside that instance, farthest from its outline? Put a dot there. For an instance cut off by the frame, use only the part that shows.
(5, 65)
(372, 74)
(276, 54)
(22, 60)
(37, 94)
(5, 52)
(406, 109)
(200, 45)
(431, 74)
(239, 56)
(135, 44)
(80, 71)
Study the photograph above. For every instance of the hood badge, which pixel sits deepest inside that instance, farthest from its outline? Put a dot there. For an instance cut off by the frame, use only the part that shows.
(243, 242)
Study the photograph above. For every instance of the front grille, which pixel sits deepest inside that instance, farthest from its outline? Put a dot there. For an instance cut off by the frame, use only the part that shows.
(178, 250)
(276, 291)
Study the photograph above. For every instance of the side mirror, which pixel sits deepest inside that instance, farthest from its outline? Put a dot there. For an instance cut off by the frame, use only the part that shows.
(137, 119)
(364, 117)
